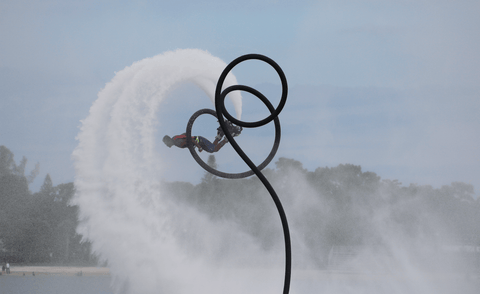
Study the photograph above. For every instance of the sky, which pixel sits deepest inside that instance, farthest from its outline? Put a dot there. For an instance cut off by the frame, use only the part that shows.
(392, 86)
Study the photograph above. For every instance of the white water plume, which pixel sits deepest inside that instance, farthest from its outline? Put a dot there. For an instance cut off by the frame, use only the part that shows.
(122, 211)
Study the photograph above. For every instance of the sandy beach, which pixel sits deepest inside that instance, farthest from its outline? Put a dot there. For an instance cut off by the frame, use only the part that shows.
(59, 270)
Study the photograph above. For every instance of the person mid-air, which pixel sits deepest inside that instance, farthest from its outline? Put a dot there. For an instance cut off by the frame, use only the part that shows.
(202, 143)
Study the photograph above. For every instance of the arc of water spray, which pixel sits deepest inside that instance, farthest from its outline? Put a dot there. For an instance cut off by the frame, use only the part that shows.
(221, 112)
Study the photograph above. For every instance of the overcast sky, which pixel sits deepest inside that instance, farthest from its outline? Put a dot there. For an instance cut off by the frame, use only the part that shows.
(392, 86)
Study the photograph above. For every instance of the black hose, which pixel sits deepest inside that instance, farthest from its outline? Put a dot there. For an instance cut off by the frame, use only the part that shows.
(222, 112)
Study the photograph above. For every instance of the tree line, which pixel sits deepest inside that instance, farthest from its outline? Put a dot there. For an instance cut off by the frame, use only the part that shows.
(330, 206)
(37, 227)
(339, 206)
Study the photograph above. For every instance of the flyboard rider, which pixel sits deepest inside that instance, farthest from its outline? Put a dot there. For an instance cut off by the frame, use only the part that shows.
(202, 143)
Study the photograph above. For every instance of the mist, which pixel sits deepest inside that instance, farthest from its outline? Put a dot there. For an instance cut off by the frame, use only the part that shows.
(351, 231)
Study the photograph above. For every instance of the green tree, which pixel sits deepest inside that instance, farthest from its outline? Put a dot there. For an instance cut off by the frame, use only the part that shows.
(14, 197)
(7, 163)
(38, 228)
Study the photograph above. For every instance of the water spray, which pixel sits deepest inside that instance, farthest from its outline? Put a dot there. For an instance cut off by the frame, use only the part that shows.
(222, 112)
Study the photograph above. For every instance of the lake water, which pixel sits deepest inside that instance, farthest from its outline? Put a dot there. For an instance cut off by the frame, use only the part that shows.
(48, 284)
(336, 284)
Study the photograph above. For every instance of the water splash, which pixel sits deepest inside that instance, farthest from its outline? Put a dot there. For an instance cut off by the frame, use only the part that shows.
(122, 210)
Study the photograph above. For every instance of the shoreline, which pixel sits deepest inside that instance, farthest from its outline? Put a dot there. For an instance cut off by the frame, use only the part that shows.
(296, 274)
(58, 270)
